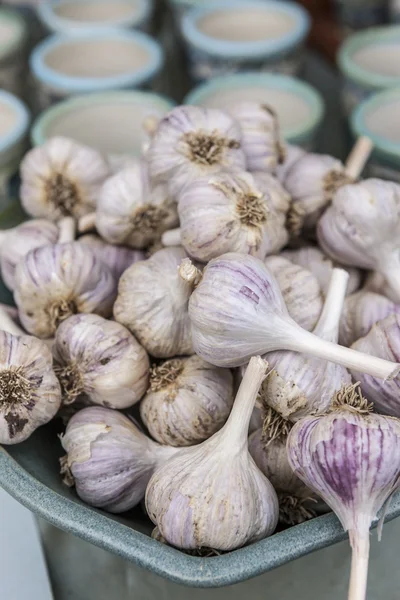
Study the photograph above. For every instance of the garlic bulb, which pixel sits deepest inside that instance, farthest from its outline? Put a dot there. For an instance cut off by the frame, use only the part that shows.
(213, 495)
(361, 311)
(376, 282)
(29, 391)
(300, 290)
(292, 155)
(237, 311)
(61, 178)
(299, 384)
(261, 141)
(233, 211)
(152, 303)
(188, 401)
(313, 259)
(362, 227)
(56, 281)
(117, 258)
(110, 459)
(100, 359)
(191, 142)
(382, 340)
(350, 458)
(131, 212)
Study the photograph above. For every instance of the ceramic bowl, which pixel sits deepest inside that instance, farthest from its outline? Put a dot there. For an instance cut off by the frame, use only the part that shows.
(14, 124)
(65, 66)
(228, 36)
(359, 14)
(85, 16)
(369, 61)
(111, 122)
(299, 106)
(13, 47)
(27, 10)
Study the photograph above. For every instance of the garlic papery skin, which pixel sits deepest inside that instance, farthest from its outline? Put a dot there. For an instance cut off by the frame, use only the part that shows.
(360, 312)
(56, 281)
(17, 242)
(61, 178)
(110, 459)
(100, 359)
(349, 457)
(191, 142)
(261, 141)
(153, 301)
(313, 259)
(233, 212)
(300, 290)
(362, 226)
(117, 258)
(131, 212)
(382, 340)
(187, 402)
(237, 311)
(213, 495)
(292, 155)
(30, 394)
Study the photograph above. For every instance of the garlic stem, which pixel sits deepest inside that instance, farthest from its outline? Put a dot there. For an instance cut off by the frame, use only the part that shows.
(87, 222)
(66, 228)
(327, 326)
(150, 124)
(189, 273)
(7, 324)
(171, 237)
(358, 157)
(237, 426)
(359, 565)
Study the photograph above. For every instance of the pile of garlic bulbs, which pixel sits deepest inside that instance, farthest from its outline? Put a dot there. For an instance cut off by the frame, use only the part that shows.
(207, 284)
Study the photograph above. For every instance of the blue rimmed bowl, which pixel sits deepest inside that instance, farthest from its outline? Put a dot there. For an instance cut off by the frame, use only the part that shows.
(299, 106)
(65, 66)
(369, 61)
(86, 16)
(13, 48)
(111, 122)
(229, 36)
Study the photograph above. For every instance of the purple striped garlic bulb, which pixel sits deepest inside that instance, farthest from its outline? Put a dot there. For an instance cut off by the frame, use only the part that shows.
(213, 495)
(192, 142)
(99, 359)
(292, 155)
(351, 459)
(56, 281)
(361, 228)
(188, 400)
(109, 459)
(117, 258)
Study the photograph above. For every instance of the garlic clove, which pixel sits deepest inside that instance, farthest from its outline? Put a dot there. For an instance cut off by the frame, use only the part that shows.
(61, 178)
(110, 459)
(100, 359)
(30, 394)
(233, 211)
(153, 301)
(292, 155)
(300, 290)
(213, 495)
(187, 402)
(55, 281)
(191, 142)
(117, 258)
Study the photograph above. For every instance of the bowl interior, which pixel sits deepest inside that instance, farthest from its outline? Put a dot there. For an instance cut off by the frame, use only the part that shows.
(98, 11)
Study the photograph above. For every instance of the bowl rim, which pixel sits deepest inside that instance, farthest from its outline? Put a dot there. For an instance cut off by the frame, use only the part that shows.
(23, 119)
(251, 50)
(70, 84)
(141, 10)
(308, 93)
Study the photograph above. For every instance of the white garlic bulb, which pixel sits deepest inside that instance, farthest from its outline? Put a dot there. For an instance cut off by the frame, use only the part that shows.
(360, 312)
(101, 360)
(30, 394)
(187, 402)
(61, 178)
(192, 141)
(16, 243)
(56, 281)
(292, 155)
(261, 141)
(376, 282)
(233, 211)
(300, 290)
(213, 495)
(321, 265)
(117, 258)
(153, 301)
